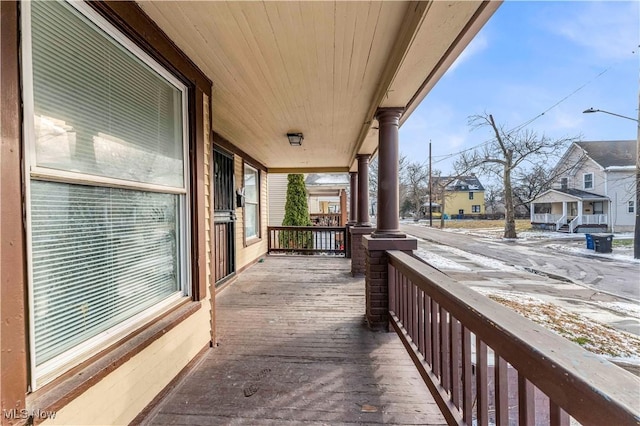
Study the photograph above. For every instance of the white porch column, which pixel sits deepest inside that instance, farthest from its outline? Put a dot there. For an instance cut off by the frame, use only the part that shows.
(531, 213)
(580, 212)
(564, 208)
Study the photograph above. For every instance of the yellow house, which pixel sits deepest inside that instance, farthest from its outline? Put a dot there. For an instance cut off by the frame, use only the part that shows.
(463, 197)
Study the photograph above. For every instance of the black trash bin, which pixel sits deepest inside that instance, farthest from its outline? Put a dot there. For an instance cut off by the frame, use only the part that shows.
(602, 243)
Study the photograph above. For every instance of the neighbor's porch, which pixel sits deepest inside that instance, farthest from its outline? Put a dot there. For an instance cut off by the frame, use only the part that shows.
(293, 347)
(571, 215)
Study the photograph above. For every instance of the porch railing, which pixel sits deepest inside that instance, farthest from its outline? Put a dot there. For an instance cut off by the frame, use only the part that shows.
(307, 240)
(594, 219)
(574, 223)
(326, 219)
(561, 221)
(546, 218)
(485, 364)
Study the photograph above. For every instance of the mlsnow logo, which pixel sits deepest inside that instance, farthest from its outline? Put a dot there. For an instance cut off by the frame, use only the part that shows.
(24, 414)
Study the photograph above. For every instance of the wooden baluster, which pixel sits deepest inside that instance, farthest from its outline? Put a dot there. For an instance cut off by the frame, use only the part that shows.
(557, 416)
(445, 360)
(427, 330)
(435, 339)
(412, 309)
(482, 385)
(467, 377)
(456, 346)
(502, 391)
(393, 276)
(420, 305)
(526, 402)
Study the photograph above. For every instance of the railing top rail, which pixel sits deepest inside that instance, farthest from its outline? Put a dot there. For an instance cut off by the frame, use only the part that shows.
(307, 228)
(586, 386)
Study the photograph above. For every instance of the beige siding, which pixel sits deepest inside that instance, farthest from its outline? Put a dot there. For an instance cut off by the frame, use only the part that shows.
(245, 254)
(119, 397)
(277, 198)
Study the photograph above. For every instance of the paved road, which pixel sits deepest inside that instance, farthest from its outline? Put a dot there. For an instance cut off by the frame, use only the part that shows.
(610, 276)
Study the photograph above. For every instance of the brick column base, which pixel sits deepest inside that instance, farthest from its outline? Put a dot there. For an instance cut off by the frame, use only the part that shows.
(377, 284)
(358, 254)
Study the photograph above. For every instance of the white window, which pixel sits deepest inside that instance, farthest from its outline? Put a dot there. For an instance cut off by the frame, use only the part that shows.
(251, 203)
(588, 181)
(631, 206)
(475, 208)
(105, 143)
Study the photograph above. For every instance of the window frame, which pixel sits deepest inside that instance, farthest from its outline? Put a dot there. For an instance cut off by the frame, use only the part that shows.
(476, 208)
(471, 195)
(248, 239)
(51, 369)
(584, 181)
(631, 206)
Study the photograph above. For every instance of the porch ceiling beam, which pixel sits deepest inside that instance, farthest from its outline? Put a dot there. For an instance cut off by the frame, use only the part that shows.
(308, 170)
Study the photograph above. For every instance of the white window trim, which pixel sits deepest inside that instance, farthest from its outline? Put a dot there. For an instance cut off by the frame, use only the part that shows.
(631, 206)
(593, 183)
(257, 203)
(48, 371)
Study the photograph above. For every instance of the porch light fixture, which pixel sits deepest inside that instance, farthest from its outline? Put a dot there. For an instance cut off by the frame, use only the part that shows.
(295, 139)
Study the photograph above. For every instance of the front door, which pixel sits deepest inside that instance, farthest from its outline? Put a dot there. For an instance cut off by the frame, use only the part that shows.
(224, 216)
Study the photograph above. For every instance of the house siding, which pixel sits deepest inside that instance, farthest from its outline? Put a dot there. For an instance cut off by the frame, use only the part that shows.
(459, 200)
(621, 186)
(248, 252)
(277, 198)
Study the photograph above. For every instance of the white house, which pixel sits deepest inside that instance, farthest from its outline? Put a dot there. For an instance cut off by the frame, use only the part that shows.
(595, 189)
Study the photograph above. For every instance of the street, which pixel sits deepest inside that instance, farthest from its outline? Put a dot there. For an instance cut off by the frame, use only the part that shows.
(609, 276)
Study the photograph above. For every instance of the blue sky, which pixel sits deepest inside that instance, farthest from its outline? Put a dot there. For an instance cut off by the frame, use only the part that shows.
(528, 57)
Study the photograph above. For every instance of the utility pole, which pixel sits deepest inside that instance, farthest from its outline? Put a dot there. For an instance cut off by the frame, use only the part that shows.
(430, 182)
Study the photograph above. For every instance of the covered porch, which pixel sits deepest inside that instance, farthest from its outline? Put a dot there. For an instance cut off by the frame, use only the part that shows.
(570, 210)
(292, 348)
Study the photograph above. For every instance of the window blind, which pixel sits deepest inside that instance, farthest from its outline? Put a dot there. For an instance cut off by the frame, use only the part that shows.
(100, 256)
(98, 108)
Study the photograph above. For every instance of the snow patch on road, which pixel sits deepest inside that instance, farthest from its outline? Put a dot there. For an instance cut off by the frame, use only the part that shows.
(440, 262)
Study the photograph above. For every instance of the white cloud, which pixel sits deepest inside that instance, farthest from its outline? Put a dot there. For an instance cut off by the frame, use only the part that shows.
(479, 43)
(609, 29)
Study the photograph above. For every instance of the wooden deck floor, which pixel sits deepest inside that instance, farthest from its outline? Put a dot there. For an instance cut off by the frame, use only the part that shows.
(293, 349)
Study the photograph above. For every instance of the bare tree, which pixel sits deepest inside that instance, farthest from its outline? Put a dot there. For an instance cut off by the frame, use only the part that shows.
(492, 199)
(505, 153)
(415, 179)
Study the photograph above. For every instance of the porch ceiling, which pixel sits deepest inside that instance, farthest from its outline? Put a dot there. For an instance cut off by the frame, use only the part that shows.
(321, 68)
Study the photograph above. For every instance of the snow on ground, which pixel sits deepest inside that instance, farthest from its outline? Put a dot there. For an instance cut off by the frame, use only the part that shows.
(440, 262)
(624, 254)
(591, 335)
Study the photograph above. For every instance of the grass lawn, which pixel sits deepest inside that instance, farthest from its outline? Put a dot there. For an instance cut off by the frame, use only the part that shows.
(622, 243)
(521, 224)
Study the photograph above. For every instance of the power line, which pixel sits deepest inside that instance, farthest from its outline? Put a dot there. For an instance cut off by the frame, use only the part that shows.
(526, 123)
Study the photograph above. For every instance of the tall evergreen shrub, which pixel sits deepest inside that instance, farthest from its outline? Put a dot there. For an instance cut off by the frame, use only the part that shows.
(296, 213)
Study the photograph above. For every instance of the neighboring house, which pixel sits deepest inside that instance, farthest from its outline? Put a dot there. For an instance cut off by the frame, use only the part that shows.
(595, 192)
(326, 196)
(277, 187)
(461, 196)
